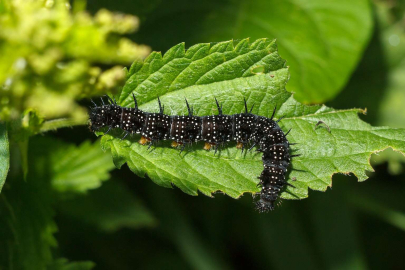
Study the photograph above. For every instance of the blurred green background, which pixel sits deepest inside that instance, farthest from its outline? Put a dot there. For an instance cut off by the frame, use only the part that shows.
(344, 53)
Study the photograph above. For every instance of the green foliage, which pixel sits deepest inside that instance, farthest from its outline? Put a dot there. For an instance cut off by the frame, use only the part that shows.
(54, 57)
(4, 155)
(321, 40)
(223, 71)
(50, 57)
(109, 208)
(77, 169)
(70, 168)
(63, 264)
(226, 74)
(379, 83)
(200, 66)
(392, 39)
(27, 225)
(27, 206)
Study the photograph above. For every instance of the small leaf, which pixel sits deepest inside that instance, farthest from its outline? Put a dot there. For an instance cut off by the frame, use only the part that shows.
(110, 208)
(74, 168)
(226, 76)
(4, 155)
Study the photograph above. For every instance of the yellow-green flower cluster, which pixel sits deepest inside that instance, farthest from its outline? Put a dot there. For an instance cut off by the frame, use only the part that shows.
(51, 57)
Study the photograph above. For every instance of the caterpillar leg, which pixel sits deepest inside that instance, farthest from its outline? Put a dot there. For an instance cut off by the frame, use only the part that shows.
(242, 146)
(253, 145)
(150, 145)
(109, 128)
(175, 144)
(144, 140)
(208, 146)
(126, 134)
(216, 148)
(288, 184)
(182, 145)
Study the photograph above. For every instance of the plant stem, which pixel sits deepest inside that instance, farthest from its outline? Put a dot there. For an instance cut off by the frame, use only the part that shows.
(61, 123)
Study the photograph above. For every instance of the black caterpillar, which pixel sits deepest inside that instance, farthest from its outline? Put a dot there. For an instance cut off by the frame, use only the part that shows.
(244, 128)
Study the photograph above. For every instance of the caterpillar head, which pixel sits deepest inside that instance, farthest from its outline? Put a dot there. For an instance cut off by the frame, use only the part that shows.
(263, 205)
(266, 201)
(99, 117)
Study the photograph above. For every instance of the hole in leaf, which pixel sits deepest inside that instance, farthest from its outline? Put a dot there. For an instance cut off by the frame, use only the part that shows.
(258, 70)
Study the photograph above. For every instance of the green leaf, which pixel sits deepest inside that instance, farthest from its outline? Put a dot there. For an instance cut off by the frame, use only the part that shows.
(200, 65)
(383, 65)
(74, 168)
(26, 208)
(391, 38)
(322, 41)
(345, 149)
(4, 155)
(391, 110)
(110, 208)
(392, 93)
(27, 227)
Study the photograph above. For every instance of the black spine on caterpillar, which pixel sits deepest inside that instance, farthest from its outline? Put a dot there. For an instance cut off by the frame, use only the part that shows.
(215, 130)
(186, 129)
